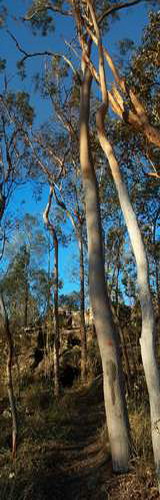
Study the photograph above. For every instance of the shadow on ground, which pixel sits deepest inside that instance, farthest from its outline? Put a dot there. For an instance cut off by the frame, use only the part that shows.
(71, 470)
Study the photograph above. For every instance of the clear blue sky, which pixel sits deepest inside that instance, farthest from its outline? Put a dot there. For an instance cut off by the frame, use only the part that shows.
(130, 25)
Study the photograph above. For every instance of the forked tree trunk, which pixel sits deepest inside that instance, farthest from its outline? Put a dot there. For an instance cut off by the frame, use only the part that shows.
(9, 375)
(118, 427)
(147, 340)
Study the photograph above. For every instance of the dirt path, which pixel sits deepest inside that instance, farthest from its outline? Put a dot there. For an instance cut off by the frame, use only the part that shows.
(80, 467)
(75, 470)
(83, 467)
(85, 460)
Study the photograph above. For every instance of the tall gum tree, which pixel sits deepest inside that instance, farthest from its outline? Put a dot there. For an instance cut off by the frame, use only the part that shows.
(147, 340)
(117, 421)
(112, 385)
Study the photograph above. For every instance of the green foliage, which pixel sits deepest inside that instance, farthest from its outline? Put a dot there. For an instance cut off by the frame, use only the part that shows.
(21, 69)
(39, 17)
(3, 14)
(126, 45)
(71, 301)
(18, 103)
(144, 72)
(24, 108)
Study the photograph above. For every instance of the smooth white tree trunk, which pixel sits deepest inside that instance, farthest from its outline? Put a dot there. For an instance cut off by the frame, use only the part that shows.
(116, 412)
(147, 340)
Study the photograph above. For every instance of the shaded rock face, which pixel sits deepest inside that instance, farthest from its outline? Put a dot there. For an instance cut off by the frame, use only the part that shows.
(38, 356)
(39, 350)
(68, 375)
(73, 340)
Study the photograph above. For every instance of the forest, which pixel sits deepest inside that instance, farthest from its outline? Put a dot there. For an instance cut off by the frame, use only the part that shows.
(79, 249)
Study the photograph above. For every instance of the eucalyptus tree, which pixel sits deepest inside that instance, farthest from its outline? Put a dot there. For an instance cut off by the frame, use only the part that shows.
(16, 114)
(147, 340)
(113, 391)
(77, 220)
(14, 110)
(51, 228)
(113, 385)
(24, 257)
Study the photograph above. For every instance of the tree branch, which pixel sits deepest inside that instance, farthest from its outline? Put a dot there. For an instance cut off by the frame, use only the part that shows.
(113, 8)
(48, 6)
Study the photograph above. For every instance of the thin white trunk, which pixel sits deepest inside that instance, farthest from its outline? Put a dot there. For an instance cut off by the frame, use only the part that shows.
(147, 340)
(52, 231)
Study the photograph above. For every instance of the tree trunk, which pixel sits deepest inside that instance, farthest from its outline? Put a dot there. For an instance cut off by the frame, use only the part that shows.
(82, 311)
(56, 337)
(26, 305)
(52, 231)
(147, 340)
(123, 340)
(156, 262)
(79, 236)
(9, 375)
(118, 427)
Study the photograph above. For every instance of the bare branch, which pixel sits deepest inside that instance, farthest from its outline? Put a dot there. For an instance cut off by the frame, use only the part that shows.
(28, 55)
(113, 8)
(3, 245)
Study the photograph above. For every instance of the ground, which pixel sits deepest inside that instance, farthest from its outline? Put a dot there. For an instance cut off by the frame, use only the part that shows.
(65, 455)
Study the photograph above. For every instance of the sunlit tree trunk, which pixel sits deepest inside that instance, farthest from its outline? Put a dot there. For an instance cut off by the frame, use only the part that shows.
(116, 412)
(147, 339)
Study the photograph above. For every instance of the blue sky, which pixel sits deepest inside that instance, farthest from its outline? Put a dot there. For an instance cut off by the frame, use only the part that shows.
(130, 25)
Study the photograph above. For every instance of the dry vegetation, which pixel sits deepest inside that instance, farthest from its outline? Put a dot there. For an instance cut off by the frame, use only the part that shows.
(62, 451)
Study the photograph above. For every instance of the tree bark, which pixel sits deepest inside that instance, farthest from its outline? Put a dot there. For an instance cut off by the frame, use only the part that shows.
(82, 310)
(118, 427)
(26, 286)
(52, 230)
(9, 375)
(78, 231)
(26, 304)
(147, 340)
(56, 337)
